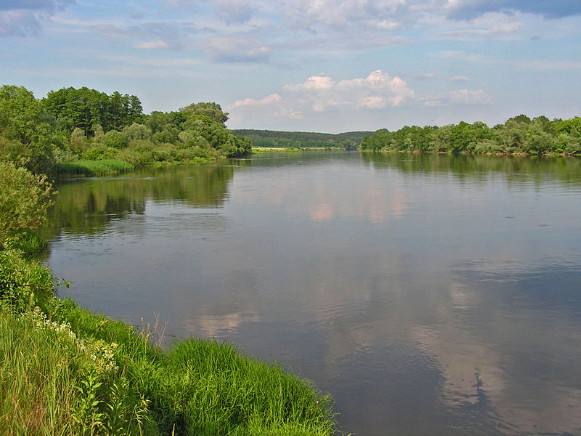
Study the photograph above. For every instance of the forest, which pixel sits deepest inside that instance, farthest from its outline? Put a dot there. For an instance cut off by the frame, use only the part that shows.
(519, 135)
(70, 130)
(302, 140)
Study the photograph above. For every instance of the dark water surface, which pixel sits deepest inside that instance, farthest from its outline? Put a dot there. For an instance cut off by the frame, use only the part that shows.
(428, 294)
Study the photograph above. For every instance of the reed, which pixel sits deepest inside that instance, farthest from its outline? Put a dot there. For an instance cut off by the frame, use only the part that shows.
(89, 168)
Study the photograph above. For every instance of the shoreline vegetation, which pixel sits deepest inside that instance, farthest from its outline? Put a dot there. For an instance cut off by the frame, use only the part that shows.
(65, 370)
(518, 136)
(80, 132)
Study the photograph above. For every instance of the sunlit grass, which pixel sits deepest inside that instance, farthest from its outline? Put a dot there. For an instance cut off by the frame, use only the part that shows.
(75, 372)
(94, 167)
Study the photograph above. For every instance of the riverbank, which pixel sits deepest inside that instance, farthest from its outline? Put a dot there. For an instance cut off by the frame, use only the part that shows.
(65, 370)
(291, 149)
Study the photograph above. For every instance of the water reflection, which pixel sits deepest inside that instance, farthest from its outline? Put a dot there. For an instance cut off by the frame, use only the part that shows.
(429, 298)
(87, 206)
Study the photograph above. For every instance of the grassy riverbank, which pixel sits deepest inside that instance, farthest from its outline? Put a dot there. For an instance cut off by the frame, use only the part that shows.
(67, 371)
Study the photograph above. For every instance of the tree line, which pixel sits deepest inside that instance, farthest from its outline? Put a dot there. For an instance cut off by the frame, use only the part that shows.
(518, 135)
(71, 124)
(272, 138)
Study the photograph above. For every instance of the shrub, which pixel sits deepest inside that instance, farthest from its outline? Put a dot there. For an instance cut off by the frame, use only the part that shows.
(24, 199)
(24, 284)
(115, 139)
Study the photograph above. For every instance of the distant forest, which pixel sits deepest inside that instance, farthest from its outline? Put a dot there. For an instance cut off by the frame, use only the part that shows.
(518, 135)
(271, 138)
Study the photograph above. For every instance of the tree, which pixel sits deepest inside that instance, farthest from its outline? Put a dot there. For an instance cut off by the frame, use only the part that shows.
(24, 200)
(211, 110)
(115, 139)
(26, 130)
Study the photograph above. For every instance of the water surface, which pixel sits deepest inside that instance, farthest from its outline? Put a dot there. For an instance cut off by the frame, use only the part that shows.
(428, 294)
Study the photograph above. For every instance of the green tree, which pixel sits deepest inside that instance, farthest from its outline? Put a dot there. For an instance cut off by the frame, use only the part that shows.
(115, 139)
(211, 110)
(26, 130)
(137, 131)
(24, 200)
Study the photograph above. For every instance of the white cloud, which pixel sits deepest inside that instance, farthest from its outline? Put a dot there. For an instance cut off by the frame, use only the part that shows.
(236, 48)
(268, 100)
(323, 96)
(459, 79)
(376, 91)
(273, 107)
(466, 96)
(320, 82)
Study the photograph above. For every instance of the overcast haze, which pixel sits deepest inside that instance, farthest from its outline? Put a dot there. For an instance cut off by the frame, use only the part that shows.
(309, 65)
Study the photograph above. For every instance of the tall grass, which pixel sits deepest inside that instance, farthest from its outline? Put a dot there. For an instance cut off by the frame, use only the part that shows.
(69, 371)
(94, 167)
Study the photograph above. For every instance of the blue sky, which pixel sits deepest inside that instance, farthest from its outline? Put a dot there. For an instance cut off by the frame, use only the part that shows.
(308, 65)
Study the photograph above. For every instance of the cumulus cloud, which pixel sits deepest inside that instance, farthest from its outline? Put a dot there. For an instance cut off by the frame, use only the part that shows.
(25, 17)
(323, 96)
(271, 107)
(376, 91)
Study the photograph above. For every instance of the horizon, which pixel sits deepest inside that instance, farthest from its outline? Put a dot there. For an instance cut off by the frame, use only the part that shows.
(302, 66)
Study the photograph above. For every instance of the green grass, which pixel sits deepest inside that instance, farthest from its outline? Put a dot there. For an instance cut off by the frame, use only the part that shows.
(80, 373)
(66, 371)
(94, 167)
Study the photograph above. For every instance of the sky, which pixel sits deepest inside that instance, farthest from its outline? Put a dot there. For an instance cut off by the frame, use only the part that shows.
(307, 65)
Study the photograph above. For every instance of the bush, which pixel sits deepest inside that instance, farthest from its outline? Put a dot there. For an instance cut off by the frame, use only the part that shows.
(99, 152)
(115, 139)
(24, 199)
(24, 284)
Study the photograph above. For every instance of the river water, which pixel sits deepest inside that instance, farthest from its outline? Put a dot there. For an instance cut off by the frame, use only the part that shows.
(427, 294)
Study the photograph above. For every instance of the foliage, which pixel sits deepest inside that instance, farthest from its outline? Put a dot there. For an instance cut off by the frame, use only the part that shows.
(518, 135)
(71, 124)
(24, 284)
(26, 131)
(24, 199)
(84, 108)
(211, 110)
(57, 382)
(115, 139)
(270, 138)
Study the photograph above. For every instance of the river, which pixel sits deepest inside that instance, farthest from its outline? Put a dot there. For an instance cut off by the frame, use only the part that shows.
(428, 294)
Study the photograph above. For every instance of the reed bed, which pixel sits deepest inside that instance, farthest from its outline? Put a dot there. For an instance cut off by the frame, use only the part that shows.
(88, 168)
